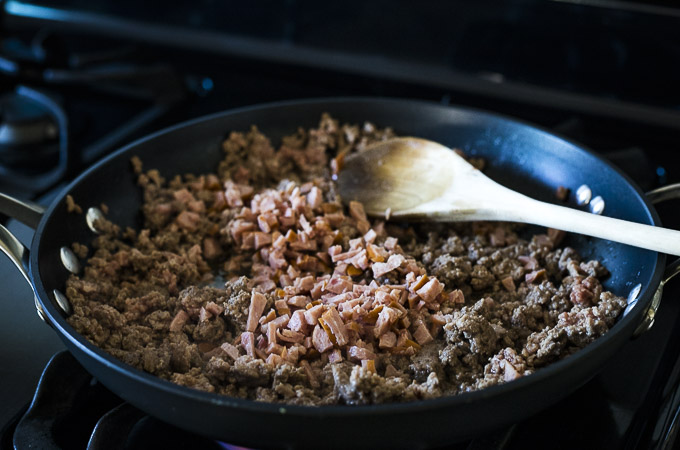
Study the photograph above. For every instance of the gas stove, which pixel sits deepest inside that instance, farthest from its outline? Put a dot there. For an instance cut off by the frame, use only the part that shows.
(78, 80)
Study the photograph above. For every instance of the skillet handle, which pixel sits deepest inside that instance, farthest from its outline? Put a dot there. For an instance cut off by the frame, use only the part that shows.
(30, 214)
(670, 192)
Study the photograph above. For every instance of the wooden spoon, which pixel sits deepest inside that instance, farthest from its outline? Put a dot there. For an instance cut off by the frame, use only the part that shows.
(417, 179)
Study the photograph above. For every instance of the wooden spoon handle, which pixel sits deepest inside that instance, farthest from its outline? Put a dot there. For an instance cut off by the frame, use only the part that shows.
(659, 239)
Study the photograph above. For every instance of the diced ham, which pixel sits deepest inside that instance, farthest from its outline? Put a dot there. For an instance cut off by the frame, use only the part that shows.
(304, 284)
(380, 269)
(390, 243)
(370, 236)
(510, 373)
(211, 248)
(299, 301)
(376, 253)
(204, 315)
(274, 359)
(509, 284)
(282, 321)
(320, 339)
(314, 197)
(535, 276)
(290, 335)
(335, 356)
(260, 239)
(248, 343)
(334, 219)
(346, 255)
(214, 308)
(297, 321)
(312, 314)
(270, 329)
(257, 304)
(197, 206)
(336, 325)
(230, 350)
(188, 220)
(360, 353)
(387, 340)
(184, 196)
(179, 321)
(430, 290)
(422, 335)
(529, 262)
(306, 226)
(457, 296)
(385, 319)
(497, 238)
(360, 260)
(338, 285)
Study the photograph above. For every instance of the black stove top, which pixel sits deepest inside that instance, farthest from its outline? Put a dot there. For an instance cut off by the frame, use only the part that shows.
(79, 79)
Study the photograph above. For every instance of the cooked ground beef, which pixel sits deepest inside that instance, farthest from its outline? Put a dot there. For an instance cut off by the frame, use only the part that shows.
(322, 305)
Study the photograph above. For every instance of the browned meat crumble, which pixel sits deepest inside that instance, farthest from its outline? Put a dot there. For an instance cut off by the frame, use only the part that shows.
(322, 305)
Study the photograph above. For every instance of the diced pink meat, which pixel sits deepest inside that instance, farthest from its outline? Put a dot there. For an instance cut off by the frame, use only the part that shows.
(336, 325)
(385, 320)
(390, 243)
(430, 290)
(297, 321)
(314, 197)
(248, 343)
(380, 269)
(457, 296)
(261, 239)
(290, 335)
(179, 321)
(422, 335)
(334, 219)
(387, 340)
(370, 236)
(321, 340)
(211, 248)
(312, 314)
(510, 373)
(274, 360)
(257, 304)
(183, 196)
(508, 284)
(304, 284)
(335, 356)
(304, 223)
(230, 350)
(203, 315)
(338, 285)
(360, 353)
(299, 301)
(188, 220)
(271, 328)
(214, 308)
(529, 262)
(343, 256)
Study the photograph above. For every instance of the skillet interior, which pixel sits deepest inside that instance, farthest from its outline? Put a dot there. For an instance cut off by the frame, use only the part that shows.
(519, 156)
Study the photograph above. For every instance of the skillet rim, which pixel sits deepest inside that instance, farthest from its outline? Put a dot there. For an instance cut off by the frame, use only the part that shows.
(542, 375)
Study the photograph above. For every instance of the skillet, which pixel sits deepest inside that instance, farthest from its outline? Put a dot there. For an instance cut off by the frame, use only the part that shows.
(519, 156)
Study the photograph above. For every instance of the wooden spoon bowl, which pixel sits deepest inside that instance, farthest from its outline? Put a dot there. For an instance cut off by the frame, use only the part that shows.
(415, 179)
